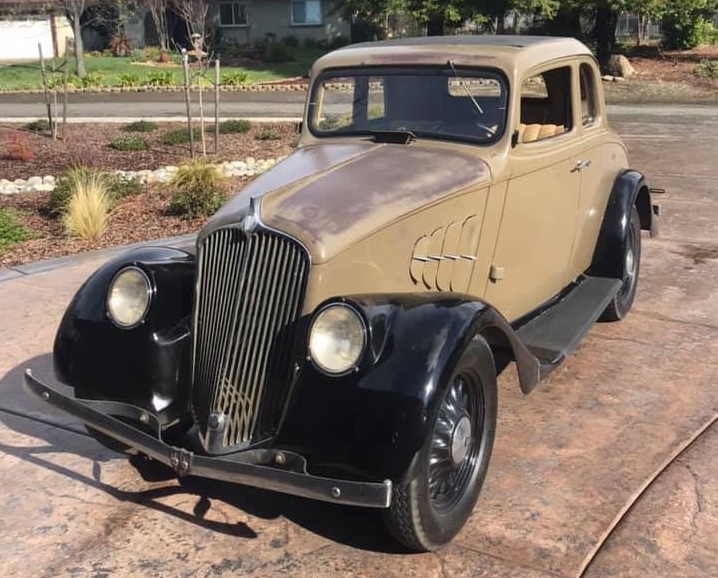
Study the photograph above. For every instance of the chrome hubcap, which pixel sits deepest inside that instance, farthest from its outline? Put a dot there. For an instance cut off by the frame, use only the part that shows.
(630, 263)
(460, 440)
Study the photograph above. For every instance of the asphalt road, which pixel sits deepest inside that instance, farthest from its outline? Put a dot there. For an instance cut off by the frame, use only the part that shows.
(250, 105)
(564, 493)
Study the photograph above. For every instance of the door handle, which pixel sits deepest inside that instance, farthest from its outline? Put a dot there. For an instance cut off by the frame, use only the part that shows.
(580, 165)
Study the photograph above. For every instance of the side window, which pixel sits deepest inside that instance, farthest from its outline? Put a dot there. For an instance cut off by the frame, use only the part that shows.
(588, 95)
(546, 105)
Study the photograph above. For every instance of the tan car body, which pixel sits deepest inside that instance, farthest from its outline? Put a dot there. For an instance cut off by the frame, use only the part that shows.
(382, 218)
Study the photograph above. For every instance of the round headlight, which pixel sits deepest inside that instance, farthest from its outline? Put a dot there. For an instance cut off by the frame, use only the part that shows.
(337, 339)
(128, 298)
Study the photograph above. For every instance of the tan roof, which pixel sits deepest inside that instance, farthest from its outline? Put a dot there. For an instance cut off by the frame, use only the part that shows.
(505, 52)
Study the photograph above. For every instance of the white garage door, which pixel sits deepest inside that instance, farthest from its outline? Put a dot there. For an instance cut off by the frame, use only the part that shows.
(19, 39)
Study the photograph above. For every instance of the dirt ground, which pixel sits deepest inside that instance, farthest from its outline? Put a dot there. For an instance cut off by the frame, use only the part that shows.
(136, 218)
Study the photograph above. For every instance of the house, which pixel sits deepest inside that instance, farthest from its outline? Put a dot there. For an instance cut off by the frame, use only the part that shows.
(247, 20)
(24, 25)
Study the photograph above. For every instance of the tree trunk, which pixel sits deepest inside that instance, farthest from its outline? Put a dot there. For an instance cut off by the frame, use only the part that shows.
(435, 25)
(604, 33)
(79, 52)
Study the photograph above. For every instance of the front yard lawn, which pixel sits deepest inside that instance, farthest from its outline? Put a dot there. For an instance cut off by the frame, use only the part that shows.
(108, 69)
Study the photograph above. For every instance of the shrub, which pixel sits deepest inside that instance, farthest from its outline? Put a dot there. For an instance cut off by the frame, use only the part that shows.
(234, 126)
(120, 187)
(234, 77)
(266, 135)
(290, 41)
(128, 79)
(140, 126)
(39, 125)
(130, 143)
(11, 232)
(87, 208)
(160, 78)
(137, 55)
(120, 45)
(151, 53)
(17, 147)
(310, 42)
(278, 52)
(91, 80)
(198, 191)
(180, 136)
(706, 69)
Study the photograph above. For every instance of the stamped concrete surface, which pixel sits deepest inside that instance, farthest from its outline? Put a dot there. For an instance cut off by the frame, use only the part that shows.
(568, 461)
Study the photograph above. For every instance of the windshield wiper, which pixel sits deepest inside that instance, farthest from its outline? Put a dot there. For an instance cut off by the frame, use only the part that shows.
(463, 85)
(393, 136)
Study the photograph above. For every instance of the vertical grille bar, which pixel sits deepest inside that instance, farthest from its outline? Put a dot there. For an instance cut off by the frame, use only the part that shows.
(248, 301)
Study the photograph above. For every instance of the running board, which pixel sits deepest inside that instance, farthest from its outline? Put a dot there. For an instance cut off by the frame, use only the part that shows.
(556, 333)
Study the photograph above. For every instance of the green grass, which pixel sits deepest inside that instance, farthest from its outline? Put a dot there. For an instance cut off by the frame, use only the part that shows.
(11, 231)
(26, 75)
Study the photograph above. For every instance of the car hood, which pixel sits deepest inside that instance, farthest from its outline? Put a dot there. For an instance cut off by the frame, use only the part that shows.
(331, 196)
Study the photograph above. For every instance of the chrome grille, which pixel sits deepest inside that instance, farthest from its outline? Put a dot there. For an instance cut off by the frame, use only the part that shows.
(247, 304)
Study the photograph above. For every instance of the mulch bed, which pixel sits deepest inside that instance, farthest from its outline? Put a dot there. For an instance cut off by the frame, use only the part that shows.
(676, 66)
(141, 217)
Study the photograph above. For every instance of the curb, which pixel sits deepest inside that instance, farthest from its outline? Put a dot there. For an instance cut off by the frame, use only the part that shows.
(158, 119)
(8, 273)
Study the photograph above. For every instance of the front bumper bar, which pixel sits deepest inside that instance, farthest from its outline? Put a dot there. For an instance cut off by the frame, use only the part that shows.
(240, 468)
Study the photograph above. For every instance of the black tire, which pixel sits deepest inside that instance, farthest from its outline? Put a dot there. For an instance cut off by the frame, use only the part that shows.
(621, 304)
(430, 509)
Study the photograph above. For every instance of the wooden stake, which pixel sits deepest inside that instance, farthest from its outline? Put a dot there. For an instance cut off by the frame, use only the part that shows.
(200, 102)
(43, 75)
(185, 68)
(216, 105)
(65, 78)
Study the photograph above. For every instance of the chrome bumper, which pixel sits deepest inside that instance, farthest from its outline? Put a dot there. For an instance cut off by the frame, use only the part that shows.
(287, 474)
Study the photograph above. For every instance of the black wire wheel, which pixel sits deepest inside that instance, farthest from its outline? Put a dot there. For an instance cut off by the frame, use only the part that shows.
(427, 511)
(621, 304)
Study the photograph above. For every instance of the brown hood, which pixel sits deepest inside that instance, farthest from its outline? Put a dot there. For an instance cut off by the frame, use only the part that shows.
(331, 196)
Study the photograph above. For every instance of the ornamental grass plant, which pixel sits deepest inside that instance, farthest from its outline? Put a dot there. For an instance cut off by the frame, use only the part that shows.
(88, 206)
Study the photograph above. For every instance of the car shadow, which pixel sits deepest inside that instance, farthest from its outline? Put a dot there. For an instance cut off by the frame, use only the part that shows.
(23, 413)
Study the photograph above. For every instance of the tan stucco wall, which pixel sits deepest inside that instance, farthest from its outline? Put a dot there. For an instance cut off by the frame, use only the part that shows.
(273, 16)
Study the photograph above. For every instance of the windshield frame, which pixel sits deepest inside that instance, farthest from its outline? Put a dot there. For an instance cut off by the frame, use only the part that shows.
(462, 71)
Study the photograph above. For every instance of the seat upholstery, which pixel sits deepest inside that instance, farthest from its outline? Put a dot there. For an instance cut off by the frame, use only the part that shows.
(534, 132)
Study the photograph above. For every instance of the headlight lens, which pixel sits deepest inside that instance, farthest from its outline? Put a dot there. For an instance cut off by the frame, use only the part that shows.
(129, 297)
(337, 339)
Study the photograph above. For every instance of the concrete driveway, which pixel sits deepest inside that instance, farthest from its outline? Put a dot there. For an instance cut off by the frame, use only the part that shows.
(569, 461)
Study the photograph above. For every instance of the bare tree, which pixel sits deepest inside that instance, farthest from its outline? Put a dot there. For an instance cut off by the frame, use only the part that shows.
(158, 10)
(194, 14)
(73, 11)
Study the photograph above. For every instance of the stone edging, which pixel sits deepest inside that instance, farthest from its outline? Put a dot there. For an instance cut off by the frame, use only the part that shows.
(248, 167)
(174, 88)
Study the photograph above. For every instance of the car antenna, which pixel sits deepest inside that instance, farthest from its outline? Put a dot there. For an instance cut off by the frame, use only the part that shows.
(450, 63)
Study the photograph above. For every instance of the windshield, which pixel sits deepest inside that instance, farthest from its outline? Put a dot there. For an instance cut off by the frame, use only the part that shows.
(446, 103)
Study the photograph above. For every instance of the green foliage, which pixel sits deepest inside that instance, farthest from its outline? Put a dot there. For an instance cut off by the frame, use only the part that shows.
(291, 41)
(128, 79)
(180, 136)
(137, 55)
(120, 187)
(267, 135)
(130, 143)
(234, 126)
(91, 80)
(151, 53)
(685, 23)
(39, 125)
(234, 77)
(197, 190)
(11, 232)
(140, 126)
(160, 78)
(706, 69)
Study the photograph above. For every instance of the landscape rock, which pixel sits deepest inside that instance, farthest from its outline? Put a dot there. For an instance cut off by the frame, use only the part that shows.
(619, 66)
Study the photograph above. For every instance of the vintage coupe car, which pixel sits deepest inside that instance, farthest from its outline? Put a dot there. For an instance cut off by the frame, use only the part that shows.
(455, 204)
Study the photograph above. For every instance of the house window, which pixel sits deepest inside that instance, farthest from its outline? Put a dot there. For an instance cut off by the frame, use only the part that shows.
(306, 12)
(233, 14)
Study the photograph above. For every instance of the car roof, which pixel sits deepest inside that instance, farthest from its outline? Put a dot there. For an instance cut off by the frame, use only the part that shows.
(508, 52)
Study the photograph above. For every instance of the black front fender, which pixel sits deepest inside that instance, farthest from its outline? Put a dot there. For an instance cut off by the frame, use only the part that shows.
(147, 366)
(375, 420)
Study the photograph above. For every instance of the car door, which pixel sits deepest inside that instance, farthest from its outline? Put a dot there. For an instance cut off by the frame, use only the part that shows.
(535, 240)
(602, 159)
